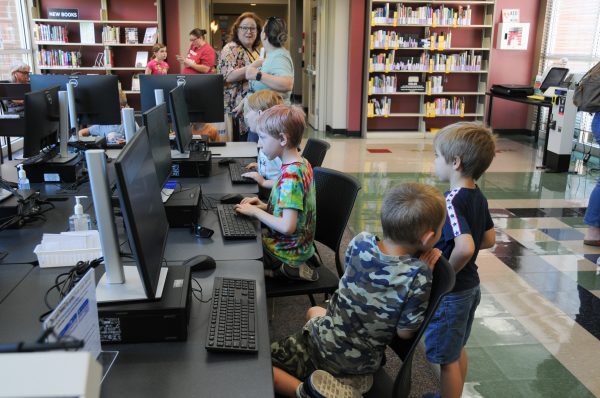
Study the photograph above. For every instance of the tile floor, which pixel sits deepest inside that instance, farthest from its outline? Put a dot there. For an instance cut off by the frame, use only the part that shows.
(537, 330)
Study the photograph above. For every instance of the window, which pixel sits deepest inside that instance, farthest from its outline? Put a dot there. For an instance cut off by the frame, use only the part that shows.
(572, 32)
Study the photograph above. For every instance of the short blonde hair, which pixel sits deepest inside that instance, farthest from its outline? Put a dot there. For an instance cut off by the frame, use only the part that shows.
(410, 210)
(289, 120)
(263, 100)
(472, 143)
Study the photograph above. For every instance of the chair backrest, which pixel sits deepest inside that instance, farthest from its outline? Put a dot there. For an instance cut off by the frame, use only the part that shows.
(315, 151)
(335, 196)
(443, 281)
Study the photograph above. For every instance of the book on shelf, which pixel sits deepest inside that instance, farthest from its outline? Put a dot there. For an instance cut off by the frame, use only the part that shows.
(86, 33)
(141, 59)
(131, 36)
(59, 57)
(151, 35)
(55, 33)
(110, 35)
(135, 82)
(108, 58)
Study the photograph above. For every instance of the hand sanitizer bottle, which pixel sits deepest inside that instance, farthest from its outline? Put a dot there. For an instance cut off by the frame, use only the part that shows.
(79, 221)
(23, 182)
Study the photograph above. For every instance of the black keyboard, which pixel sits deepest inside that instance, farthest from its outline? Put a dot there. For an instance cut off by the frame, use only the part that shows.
(234, 225)
(232, 321)
(235, 171)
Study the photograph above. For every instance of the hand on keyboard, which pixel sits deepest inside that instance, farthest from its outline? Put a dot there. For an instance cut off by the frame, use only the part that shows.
(255, 176)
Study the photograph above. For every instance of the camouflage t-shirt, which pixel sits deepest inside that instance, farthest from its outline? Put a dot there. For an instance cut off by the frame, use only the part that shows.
(377, 296)
(294, 189)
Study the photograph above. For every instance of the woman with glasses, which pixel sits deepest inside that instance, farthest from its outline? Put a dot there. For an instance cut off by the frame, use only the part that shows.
(201, 57)
(19, 73)
(276, 72)
(240, 52)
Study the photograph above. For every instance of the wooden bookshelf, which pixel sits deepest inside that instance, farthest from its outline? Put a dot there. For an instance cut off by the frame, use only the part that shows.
(398, 39)
(139, 14)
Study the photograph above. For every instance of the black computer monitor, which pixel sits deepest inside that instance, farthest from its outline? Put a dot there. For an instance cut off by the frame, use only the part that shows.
(203, 94)
(157, 127)
(42, 119)
(181, 120)
(142, 208)
(554, 78)
(96, 96)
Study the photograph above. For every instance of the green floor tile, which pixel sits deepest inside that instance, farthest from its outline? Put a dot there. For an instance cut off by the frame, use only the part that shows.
(550, 388)
(491, 389)
(575, 222)
(481, 367)
(526, 362)
(590, 280)
(495, 331)
(550, 247)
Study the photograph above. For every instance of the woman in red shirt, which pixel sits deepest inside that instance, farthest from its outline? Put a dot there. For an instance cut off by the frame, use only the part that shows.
(201, 57)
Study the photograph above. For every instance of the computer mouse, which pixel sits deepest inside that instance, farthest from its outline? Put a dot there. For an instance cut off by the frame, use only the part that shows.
(200, 262)
(226, 161)
(232, 198)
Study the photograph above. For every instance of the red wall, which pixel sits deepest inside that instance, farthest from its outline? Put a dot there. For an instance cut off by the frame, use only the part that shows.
(356, 37)
(171, 32)
(513, 66)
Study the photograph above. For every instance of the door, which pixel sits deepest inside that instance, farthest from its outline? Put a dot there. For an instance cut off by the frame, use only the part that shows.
(311, 62)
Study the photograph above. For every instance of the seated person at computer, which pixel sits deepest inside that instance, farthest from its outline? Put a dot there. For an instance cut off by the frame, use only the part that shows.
(268, 170)
(19, 73)
(290, 214)
(114, 133)
(383, 293)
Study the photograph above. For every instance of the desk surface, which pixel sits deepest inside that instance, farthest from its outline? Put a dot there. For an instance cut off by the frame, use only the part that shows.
(235, 150)
(177, 369)
(524, 100)
(10, 277)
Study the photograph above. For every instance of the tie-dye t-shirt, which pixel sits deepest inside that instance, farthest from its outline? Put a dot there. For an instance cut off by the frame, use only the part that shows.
(294, 189)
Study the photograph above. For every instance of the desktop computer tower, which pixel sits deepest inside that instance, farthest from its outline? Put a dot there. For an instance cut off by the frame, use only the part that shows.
(197, 165)
(71, 171)
(150, 321)
(183, 206)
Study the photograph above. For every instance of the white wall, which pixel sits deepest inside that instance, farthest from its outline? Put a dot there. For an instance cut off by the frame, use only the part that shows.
(338, 14)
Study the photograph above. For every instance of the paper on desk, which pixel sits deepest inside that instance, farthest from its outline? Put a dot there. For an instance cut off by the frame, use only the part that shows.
(77, 315)
(175, 154)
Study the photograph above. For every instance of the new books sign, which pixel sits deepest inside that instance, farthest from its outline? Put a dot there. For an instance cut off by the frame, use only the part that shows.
(63, 13)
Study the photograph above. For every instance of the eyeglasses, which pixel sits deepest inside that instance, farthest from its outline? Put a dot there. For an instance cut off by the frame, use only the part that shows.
(25, 72)
(248, 29)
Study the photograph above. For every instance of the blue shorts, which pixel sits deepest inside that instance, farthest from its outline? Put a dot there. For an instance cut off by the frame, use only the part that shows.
(450, 326)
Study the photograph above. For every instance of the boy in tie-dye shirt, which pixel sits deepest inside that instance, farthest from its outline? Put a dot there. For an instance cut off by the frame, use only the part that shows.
(290, 214)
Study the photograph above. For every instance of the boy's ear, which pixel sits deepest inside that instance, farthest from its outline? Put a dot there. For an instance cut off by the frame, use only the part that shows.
(456, 163)
(427, 238)
(282, 139)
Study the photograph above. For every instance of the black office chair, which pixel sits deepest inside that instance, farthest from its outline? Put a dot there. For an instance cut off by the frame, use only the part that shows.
(383, 385)
(315, 151)
(335, 196)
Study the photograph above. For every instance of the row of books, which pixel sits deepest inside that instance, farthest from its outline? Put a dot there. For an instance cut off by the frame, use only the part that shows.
(466, 61)
(111, 35)
(389, 85)
(390, 39)
(59, 58)
(425, 15)
(379, 106)
(454, 106)
(42, 32)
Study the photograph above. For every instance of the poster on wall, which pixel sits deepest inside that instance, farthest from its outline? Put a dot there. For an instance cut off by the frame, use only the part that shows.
(510, 15)
(513, 36)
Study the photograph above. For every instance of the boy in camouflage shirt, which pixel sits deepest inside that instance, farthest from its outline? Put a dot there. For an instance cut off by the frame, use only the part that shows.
(383, 293)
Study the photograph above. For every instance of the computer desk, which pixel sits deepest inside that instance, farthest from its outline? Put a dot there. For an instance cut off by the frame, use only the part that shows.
(10, 277)
(173, 369)
(524, 100)
(235, 150)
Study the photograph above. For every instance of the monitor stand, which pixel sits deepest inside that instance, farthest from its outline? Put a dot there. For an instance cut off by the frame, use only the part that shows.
(59, 159)
(131, 290)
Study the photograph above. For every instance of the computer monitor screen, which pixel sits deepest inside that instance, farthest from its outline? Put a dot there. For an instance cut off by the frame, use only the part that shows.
(203, 94)
(142, 208)
(157, 126)
(42, 119)
(554, 78)
(96, 96)
(181, 120)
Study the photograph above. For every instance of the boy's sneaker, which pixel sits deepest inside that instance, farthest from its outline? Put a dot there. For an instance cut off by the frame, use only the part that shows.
(362, 383)
(301, 273)
(321, 384)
